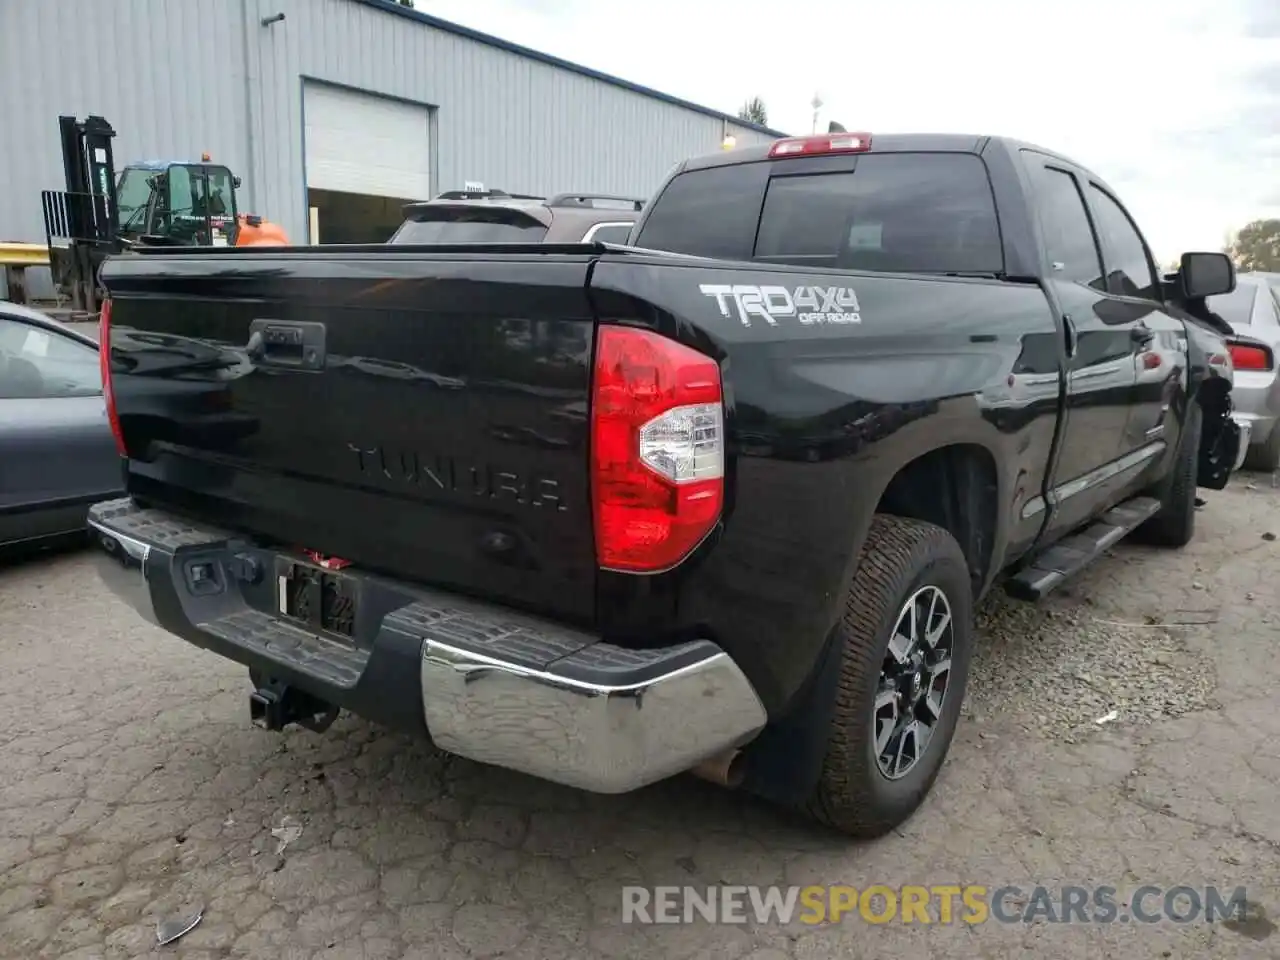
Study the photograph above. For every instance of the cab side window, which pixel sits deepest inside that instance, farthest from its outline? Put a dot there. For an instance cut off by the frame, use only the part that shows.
(1129, 272)
(1068, 235)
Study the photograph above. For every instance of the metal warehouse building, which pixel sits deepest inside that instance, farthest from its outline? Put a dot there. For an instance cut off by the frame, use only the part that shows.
(345, 107)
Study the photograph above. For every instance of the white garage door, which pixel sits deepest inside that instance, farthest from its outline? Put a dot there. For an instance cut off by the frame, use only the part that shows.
(362, 143)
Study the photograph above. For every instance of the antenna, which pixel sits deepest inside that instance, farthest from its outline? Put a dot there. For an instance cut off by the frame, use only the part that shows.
(816, 103)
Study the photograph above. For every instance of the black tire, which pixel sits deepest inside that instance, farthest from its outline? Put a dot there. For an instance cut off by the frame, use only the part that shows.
(1175, 524)
(1265, 457)
(900, 558)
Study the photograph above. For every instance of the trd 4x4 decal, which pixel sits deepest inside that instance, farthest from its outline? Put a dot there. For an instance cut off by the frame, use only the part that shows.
(809, 305)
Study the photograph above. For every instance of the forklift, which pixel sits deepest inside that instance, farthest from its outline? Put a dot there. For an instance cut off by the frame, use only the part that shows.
(151, 203)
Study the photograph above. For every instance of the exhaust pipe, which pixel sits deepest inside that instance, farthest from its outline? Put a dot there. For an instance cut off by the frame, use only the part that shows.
(724, 770)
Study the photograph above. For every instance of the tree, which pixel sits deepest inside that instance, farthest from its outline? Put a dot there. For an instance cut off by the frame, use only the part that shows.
(753, 111)
(1257, 246)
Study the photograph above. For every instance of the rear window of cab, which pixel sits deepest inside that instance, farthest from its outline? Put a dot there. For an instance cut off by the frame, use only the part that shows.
(893, 212)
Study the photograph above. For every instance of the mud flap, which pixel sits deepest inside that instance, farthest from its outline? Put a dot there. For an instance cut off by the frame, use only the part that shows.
(1219, 446)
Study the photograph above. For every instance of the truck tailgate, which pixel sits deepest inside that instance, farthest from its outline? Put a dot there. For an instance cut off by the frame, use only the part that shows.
(418, 413)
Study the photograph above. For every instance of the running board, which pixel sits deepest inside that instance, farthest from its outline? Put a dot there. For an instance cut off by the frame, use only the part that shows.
(1072, 554)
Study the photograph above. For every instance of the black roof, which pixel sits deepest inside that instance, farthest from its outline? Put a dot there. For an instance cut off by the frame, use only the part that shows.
(893, 143)
(886, 143)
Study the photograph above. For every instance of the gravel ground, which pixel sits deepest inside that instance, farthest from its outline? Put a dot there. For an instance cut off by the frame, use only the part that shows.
(133, 787)
(1142, 670)
(1110, 643)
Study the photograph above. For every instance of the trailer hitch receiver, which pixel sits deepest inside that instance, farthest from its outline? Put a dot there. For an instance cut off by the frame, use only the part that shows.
(275, 705)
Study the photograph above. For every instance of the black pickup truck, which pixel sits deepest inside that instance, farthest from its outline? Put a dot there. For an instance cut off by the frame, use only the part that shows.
(719, 501)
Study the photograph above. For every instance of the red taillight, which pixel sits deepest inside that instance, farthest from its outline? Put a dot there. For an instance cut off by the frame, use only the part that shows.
(104, 364)
(657, 449)
(1244, 357)
(821, 143)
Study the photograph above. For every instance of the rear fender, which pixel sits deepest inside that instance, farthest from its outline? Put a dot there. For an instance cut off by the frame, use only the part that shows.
(784, 762)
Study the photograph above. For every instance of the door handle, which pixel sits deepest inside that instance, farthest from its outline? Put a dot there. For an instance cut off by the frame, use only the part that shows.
(1141, 334)
(286, 344)
(1069, 335)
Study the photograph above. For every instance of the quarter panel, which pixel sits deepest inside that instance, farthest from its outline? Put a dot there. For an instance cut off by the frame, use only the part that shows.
(822, 414)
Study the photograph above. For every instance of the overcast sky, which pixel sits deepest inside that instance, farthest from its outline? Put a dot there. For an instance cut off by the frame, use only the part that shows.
(1175, 102)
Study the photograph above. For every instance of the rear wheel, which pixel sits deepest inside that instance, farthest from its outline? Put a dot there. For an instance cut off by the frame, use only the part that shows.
(907, 633)
(1265, 456)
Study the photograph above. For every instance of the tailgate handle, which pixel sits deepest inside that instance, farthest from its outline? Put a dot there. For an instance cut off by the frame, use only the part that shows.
(296, 345)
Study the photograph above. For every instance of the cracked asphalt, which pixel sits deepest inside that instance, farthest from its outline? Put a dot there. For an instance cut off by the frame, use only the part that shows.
(133, 788)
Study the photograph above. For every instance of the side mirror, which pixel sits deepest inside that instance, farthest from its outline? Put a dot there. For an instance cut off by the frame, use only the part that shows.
(1207, 275)
(235, 182)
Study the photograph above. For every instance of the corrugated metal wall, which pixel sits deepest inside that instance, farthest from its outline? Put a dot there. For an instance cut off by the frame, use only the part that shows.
(166, 75)
(171, 78)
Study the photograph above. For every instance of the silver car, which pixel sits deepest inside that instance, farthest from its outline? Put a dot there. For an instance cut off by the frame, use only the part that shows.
(1253, 311)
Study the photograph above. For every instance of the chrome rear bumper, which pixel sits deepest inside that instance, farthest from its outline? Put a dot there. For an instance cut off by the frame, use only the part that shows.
(607, 737)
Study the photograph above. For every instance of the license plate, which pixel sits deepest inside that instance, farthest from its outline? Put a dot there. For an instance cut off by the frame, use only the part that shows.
(322, 599)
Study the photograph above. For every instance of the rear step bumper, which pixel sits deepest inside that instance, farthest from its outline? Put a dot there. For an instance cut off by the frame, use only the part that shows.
(487, 683)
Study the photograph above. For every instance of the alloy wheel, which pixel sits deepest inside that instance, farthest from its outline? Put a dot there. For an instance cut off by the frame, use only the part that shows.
(913, 682)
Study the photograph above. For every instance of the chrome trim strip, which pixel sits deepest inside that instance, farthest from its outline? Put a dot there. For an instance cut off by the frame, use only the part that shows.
(1108, 471)
(597, 227)
(1102, 370)
(1130, 461)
